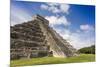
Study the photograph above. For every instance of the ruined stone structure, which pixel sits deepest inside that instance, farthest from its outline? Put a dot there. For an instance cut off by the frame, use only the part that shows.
(36, 39)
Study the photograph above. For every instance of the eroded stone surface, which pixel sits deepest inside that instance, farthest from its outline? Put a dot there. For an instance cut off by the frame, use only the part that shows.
(36, 39)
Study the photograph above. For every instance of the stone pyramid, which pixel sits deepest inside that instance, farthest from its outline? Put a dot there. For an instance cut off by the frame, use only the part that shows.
(37, 39)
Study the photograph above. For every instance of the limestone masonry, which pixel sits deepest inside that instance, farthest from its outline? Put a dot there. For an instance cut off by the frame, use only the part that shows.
(37, 39)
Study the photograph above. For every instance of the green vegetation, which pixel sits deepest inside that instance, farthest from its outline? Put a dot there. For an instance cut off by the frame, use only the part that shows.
(53, 60)
(88, 50)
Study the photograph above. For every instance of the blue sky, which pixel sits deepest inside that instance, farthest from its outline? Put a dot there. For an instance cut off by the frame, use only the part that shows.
(75, 23)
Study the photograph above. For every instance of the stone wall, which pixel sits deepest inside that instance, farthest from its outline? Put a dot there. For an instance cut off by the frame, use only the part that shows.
(36, 39)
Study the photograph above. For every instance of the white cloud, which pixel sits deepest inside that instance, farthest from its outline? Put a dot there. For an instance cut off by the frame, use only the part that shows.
(56, 7)
(19, 15)
(64, 8)
(52, 4)
(86, 27)
(43, 6)
(78, 39)
(55, 20)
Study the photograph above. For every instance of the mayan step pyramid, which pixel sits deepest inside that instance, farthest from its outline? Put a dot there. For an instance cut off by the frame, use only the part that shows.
(37, 39)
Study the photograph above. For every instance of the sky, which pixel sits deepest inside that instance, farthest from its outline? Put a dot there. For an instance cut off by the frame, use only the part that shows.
(75, 23)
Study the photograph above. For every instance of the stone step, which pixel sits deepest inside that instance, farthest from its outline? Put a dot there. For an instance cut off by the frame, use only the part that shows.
(21, 43)
(42, 48)
(28, 24)
(26, 29)
(27, 52)
(34, 37)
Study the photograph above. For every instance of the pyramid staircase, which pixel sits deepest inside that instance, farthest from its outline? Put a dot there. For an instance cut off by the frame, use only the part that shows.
(27, 40)
(37, 39)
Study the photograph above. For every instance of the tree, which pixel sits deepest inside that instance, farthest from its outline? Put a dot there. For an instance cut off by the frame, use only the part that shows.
(88, 50)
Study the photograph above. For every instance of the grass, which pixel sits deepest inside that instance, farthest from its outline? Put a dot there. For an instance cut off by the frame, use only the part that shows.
(53, 60)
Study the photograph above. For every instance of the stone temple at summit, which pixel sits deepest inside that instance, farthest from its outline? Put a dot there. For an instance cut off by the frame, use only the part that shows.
(36, 38)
